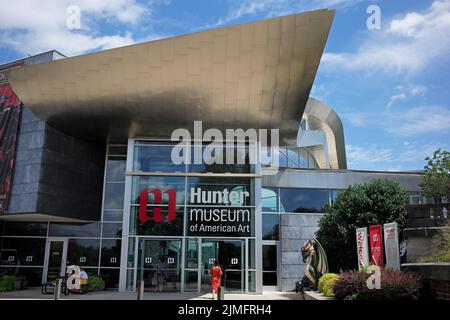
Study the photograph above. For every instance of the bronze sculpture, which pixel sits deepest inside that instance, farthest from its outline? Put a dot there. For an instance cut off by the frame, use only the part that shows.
(316, 261)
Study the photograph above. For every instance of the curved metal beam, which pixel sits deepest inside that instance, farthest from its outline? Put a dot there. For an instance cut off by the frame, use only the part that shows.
(321, 117)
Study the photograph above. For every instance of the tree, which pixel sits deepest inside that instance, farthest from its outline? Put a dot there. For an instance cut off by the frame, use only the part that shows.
(378, 202)
(436, 181)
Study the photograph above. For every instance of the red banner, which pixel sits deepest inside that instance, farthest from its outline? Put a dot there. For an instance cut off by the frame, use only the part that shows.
(9, 124)
(376, 245)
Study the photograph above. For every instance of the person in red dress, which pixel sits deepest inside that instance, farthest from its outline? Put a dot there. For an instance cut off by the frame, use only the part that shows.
(216, 274)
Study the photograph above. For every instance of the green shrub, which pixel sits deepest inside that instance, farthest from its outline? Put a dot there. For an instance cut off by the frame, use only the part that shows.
(395, 285)
(329, 284)
(96, 283)
(23, 282)
(441, 241)
(7, 283)
(324, 279)
(376, 202)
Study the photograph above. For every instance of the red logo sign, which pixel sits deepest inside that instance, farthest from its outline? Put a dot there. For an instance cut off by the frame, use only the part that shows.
(376, 245)
(157, 211)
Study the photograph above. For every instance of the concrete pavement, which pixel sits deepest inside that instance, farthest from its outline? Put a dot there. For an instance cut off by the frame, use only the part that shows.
(35, 294)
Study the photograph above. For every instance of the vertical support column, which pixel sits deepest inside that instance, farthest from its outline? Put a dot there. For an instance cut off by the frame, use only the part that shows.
(258, 229)
(246, 265)
(183, 254)
(126, 220)
(199, 266)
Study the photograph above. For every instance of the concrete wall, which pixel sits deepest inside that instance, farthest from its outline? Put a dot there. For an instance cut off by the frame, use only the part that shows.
(337, 179)
(55, 174)
(295, 230)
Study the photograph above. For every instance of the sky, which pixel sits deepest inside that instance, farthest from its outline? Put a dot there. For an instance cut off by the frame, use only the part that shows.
(390, 85)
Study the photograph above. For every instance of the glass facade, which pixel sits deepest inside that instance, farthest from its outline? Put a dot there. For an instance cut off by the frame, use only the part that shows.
(95, 246)
(184, 217)
(172, 221)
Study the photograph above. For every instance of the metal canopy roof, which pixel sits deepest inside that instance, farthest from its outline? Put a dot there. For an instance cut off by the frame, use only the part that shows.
(254, 75)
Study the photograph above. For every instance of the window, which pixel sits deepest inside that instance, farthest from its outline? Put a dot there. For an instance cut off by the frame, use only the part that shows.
(115, 170)
(114, 194)
(270, 226)
(334, 194)
(269, 199)
(240, 154)
(17, 228)
(219, 184)
(191, 254)
(111, 277)
(152, 228)
(112, 230)
(110, 253)
(22, 251)
(155, 157)
(141, 183)
(88, 230)
(303, 200)
(83, 252)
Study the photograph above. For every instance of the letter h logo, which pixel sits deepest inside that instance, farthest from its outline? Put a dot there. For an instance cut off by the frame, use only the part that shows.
(157, 211)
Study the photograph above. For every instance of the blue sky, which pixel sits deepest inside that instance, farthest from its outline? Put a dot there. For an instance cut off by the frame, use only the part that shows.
(390, 86)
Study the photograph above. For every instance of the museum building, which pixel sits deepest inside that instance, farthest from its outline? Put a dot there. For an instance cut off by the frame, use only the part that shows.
(88, 178)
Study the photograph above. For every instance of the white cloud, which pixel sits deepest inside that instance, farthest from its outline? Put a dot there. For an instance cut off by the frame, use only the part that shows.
(273, 8)
(371, 154)
(412, 90)
(30, 26)
(397, 97)
(409, 122)
(417, 90)
(406, 157)
(406, 45)
(418, 120)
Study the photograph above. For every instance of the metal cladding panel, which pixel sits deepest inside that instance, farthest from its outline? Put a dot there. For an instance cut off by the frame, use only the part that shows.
(255, 75)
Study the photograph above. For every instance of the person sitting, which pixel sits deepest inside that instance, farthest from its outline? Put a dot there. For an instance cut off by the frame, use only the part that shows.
(84, 281)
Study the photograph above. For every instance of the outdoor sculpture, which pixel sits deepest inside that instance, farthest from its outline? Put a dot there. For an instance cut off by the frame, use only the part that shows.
(316, 261)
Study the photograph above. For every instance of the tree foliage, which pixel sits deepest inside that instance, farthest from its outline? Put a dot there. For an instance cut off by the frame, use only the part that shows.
(436, 181)
(378, 202)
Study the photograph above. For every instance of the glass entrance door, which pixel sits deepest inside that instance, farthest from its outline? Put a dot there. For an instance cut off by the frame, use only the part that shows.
(270, 265)
(159, 264)
(230, 255)
(55, 259)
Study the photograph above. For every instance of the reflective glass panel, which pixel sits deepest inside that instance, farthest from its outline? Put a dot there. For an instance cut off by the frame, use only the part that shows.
(111, 277)
(150, 227)
(83, 252)
(191, 254)
(115, 170)
(114, 193)
(210, 158)
(149, 157)
(141, 183)
(22, 251)
(18, 228)
(91, 230)
(110, 253)
(270, 226)
(112, 230)
(303, 200)
(269, 200)
(217, 191)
